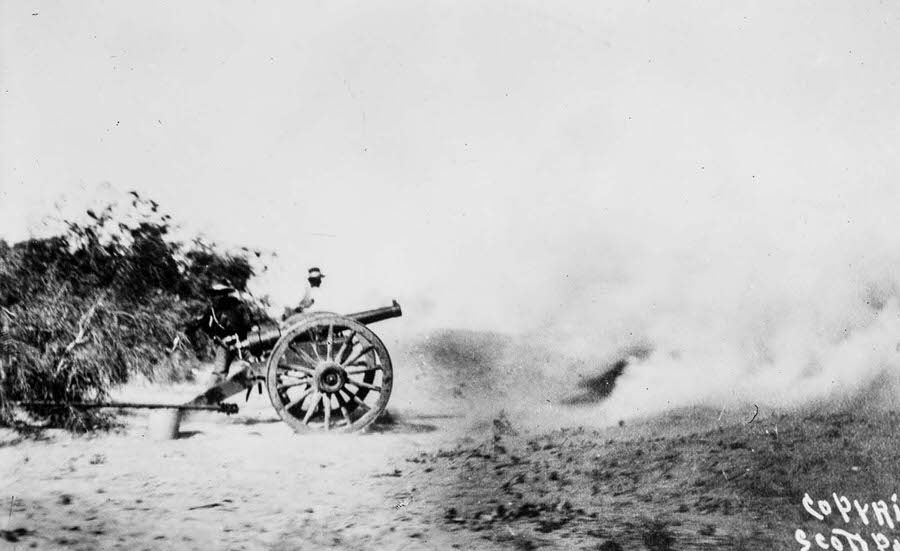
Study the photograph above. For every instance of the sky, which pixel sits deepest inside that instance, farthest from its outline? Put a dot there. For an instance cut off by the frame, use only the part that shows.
(596, 171)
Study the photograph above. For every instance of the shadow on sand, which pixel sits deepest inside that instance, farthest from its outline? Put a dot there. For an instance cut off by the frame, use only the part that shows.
(256, 421)
(390, 422)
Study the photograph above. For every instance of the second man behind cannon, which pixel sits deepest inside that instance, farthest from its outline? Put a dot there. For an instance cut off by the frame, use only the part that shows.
(314, 281)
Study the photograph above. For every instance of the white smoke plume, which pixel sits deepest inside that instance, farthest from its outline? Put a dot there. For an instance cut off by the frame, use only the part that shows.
(779, 299)
(775, 295)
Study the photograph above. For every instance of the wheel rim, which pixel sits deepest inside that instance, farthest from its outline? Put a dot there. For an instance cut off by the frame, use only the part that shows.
(329, 373)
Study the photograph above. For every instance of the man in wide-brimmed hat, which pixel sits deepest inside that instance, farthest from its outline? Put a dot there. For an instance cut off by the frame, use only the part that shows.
(314, 280)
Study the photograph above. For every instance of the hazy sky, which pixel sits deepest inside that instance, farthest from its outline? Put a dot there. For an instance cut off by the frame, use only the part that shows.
(485, 162)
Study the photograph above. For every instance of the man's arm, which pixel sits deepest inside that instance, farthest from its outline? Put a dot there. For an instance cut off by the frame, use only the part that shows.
(307, 299)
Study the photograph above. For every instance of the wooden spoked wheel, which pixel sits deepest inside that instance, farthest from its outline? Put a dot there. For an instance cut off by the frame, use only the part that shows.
(329, 373)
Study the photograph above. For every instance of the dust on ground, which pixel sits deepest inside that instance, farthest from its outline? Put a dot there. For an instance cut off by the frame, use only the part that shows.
(450, 466)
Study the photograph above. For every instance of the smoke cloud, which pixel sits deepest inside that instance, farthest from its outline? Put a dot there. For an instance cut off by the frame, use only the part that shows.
(770, 297)
(711, 188)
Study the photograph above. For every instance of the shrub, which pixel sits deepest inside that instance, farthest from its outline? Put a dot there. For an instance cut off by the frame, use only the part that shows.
(105, 300)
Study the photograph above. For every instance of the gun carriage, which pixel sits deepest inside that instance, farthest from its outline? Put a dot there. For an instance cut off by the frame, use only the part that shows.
(322, 371)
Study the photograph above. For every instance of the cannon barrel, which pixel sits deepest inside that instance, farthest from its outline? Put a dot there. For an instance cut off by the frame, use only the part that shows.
(269, 334)
(378, 314)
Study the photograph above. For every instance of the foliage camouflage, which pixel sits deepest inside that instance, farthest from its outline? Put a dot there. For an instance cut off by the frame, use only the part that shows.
(122, 282)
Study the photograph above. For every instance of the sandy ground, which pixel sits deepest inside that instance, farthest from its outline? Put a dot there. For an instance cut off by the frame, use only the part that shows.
(240, 482)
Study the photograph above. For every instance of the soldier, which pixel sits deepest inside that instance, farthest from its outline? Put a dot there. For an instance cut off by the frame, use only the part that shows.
(314, 282)
(227, 316)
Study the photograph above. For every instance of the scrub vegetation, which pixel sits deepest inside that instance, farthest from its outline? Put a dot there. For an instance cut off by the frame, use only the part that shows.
(104, 300)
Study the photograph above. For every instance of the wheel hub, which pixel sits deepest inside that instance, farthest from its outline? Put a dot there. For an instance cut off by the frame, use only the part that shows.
(330, 377)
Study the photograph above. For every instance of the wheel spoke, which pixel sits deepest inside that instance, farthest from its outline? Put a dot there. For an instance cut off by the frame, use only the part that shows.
(315, 343)
(299, 399)
(339, 357)
(329, 342)
(298, 382)
(284, 366)
(356, 399)
(362, 352)
(365, 369)
(326, 405)
(312, 408)
(303, 377)
(343, 406)
(302, 353)
(362, 384)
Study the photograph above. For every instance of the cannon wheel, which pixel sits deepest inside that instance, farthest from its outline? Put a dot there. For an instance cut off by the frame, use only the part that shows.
(329, 372)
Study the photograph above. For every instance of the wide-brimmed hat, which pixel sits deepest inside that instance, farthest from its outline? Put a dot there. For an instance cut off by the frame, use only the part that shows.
(315, 273)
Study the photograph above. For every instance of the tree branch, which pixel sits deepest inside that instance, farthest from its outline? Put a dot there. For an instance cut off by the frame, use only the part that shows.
(79, 339)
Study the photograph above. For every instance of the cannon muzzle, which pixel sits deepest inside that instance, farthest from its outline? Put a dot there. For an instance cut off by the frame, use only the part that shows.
(378, 314)
(267, 335)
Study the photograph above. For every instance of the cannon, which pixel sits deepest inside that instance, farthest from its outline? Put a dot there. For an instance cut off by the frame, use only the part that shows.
(322, 371)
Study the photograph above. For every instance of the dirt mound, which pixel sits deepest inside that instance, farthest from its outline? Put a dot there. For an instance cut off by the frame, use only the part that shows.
(679, 484)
